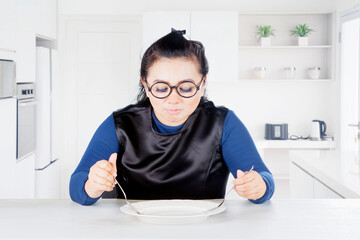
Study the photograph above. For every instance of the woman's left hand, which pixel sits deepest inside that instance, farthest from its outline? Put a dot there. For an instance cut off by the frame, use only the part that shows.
(249, 185)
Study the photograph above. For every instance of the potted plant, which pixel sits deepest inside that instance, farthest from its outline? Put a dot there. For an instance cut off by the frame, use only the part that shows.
(302, 30)
(264, 33)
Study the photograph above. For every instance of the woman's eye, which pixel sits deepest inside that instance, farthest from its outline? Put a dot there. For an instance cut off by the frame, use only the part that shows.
(189, 89)
(161, 90)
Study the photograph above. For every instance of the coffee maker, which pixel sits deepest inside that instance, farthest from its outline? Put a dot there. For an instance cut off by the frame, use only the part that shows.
(318, 130)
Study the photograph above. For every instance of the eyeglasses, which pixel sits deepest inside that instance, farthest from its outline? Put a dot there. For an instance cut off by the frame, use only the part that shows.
(185, 89)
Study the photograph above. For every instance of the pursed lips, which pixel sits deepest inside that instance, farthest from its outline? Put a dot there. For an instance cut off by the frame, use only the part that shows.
(173, 111)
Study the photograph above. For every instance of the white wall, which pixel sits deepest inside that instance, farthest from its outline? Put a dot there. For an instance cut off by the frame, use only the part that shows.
(343, 5)
(257, 103)
(138, 6)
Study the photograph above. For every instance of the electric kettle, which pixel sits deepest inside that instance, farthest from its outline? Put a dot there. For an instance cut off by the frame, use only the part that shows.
(318, 130)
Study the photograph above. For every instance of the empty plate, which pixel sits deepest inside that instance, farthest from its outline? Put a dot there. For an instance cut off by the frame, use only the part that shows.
(173, 211)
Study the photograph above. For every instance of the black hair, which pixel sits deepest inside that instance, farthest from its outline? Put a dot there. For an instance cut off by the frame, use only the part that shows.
(172, 45)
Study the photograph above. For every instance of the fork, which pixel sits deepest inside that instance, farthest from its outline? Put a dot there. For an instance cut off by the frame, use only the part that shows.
(222, 202)
(127, 202)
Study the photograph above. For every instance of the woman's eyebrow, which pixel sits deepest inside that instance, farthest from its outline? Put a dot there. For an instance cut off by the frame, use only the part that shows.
(159, 80)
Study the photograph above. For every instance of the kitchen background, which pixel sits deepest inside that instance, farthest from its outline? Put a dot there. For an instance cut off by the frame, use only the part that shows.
(84, 57)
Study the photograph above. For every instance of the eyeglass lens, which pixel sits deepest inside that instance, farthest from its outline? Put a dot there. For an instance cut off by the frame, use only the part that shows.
(184, 89)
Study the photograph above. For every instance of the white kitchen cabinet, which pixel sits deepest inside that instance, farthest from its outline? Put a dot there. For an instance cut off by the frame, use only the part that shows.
(284, 51)
(8, 25)
(303, 185)
(25, 64)
(322, 191)
(25, 178)
(17, 178)
(46, 18)
(218, 31)
(7, 147)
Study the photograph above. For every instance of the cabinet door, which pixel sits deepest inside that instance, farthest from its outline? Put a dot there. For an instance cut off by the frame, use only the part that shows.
(25, 178)
(46, 18)
(55, 107)
(25, 65)
(158, 24)
(322, 191)
(301, 183)
(7, 147)
(8, 25)
(218, 32)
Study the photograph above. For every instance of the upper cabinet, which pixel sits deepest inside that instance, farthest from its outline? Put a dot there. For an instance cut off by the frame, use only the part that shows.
(284, 59)
(218, 31)
(25, 40)
(46, 18)
(8, 25)
(21, 21)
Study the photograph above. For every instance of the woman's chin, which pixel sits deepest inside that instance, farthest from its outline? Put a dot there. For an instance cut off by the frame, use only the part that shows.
(174, 121)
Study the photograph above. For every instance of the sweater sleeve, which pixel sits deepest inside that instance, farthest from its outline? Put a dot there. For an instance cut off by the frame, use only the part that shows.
(102, 145)
(239, 152)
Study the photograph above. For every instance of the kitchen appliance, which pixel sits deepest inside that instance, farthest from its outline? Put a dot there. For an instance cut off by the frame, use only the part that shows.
(318, 130)
(26, 106)
(7, 78)
(47, 168)
(276, 131)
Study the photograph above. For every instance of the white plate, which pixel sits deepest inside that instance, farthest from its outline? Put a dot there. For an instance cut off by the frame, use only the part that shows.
(173, 211)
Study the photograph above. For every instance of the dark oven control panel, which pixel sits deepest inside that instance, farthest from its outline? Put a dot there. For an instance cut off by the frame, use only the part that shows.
(25, 90)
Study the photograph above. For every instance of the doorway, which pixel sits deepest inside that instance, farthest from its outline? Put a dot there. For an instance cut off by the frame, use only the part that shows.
(100, 59)
(349, 75)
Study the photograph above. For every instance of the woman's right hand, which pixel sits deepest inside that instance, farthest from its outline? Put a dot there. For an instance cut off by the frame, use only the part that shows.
(101, 177)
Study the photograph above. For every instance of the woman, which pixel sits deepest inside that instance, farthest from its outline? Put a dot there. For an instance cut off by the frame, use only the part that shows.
(173, 143)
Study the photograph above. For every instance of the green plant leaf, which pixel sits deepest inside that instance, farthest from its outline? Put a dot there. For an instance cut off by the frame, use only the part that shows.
(264, 31)
(301, 30)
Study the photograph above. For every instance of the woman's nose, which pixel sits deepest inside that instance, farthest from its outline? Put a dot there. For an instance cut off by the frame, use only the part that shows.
(174, 97)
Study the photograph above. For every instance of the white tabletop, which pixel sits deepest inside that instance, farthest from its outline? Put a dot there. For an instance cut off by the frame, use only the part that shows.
(276, 219)
(339, 170)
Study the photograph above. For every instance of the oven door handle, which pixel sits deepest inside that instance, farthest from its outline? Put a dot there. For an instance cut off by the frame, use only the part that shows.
(26, 103)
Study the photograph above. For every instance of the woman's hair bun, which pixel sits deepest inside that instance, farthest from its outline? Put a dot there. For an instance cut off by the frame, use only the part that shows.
(182, 32)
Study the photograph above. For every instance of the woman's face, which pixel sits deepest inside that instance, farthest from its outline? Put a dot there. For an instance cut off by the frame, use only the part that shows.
(174, 109)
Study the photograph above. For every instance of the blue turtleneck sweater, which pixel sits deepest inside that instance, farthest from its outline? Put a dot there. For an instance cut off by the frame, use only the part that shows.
(238, 150)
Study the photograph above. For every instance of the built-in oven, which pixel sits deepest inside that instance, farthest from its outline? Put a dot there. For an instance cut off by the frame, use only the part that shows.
(26, 106)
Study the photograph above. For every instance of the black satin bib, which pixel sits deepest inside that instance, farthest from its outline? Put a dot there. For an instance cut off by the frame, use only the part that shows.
(187, 164)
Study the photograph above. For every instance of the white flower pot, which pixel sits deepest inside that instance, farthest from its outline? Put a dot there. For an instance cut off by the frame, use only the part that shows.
(265, 41)
(303, 41)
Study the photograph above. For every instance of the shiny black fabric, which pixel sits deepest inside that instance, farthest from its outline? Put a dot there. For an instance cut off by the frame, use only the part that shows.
(184, 165)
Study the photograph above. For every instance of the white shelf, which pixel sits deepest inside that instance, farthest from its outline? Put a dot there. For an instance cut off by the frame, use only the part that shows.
(287, 47)
(294, 144)
(284, 50)
(268, 79)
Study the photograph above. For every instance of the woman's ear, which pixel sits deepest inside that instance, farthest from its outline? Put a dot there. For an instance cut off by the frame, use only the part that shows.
(203, 86)
(142, 80)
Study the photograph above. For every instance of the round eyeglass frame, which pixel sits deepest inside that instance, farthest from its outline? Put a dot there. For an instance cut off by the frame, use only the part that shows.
(176, 87)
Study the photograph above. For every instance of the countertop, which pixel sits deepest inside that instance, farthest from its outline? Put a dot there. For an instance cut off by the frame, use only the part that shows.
(275, 219)
(293, 144)
(338, 170)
